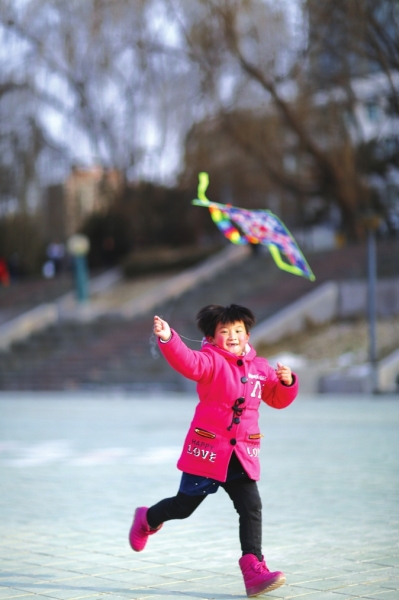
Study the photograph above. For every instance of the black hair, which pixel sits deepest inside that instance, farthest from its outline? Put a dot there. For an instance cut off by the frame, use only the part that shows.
(211, 315)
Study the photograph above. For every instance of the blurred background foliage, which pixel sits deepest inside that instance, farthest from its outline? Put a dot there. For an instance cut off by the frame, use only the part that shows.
(110, 108)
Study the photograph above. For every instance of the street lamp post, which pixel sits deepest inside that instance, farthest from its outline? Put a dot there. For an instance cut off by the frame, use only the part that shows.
(78, 246)
(372, 222)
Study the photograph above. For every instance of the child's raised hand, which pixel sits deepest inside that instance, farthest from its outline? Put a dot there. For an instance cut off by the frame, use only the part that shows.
(161, 329)
(284, 374)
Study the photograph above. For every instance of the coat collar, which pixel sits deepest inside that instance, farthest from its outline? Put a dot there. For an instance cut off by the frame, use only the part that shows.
(248, 357)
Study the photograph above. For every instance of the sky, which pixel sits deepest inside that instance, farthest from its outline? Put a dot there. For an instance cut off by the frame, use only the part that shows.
(160, 148)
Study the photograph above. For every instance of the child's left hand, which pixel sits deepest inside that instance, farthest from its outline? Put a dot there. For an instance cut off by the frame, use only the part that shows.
(284, 374)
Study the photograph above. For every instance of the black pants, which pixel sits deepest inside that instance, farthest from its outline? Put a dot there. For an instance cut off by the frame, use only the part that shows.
(246, 500)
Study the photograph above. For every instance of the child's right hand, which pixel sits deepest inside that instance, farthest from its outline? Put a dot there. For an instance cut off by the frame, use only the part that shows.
(162, 329)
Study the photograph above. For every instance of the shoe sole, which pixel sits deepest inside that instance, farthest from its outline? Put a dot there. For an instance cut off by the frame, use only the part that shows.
(270, 588)
(130, 532)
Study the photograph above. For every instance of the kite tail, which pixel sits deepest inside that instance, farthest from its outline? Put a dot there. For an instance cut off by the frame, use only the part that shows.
(203, 182)
(284, 266)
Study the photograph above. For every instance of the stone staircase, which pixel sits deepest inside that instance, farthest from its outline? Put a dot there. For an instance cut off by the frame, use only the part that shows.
(113, 352)
(23, 295)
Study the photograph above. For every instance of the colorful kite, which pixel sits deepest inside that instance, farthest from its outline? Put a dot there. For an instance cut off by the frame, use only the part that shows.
(255, 227)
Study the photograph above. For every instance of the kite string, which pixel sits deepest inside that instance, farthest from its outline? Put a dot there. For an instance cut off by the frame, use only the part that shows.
(154, 344)
(154, 351)
(189, 339)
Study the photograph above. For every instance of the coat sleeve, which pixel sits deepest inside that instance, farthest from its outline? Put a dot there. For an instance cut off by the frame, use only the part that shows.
(192, 364)
(278, 395)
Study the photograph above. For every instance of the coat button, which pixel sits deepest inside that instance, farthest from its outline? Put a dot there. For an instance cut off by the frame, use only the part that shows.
(240, 362)
(233, 441)
(236, 420)
(244, 379)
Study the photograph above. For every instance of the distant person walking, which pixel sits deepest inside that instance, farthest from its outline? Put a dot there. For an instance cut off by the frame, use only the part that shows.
(223, 442)
(4, 274)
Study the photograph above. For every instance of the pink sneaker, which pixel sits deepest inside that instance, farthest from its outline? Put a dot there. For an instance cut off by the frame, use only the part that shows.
(257, 577)
(140, 530)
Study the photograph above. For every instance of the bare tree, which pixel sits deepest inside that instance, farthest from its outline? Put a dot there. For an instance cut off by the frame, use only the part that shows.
(97, 77)
(276, 74)
(105, 81)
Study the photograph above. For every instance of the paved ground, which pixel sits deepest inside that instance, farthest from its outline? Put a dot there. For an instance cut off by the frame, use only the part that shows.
(73, 469)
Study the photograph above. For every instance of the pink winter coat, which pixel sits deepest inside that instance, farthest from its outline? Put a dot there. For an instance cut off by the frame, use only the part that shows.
(230, 390)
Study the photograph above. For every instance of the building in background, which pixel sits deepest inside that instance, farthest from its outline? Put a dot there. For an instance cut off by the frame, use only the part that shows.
(84, 193)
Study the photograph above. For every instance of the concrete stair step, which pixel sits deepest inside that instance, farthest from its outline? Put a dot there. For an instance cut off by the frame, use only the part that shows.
(113, 351)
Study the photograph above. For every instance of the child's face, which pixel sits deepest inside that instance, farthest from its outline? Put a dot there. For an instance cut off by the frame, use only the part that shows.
(232, 337)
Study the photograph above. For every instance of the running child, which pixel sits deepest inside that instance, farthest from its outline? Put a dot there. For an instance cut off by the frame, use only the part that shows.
(222, 446)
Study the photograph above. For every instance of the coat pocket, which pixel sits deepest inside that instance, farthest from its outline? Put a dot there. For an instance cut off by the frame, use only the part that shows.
(201, 444)
(204, 433)
(252, 444)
